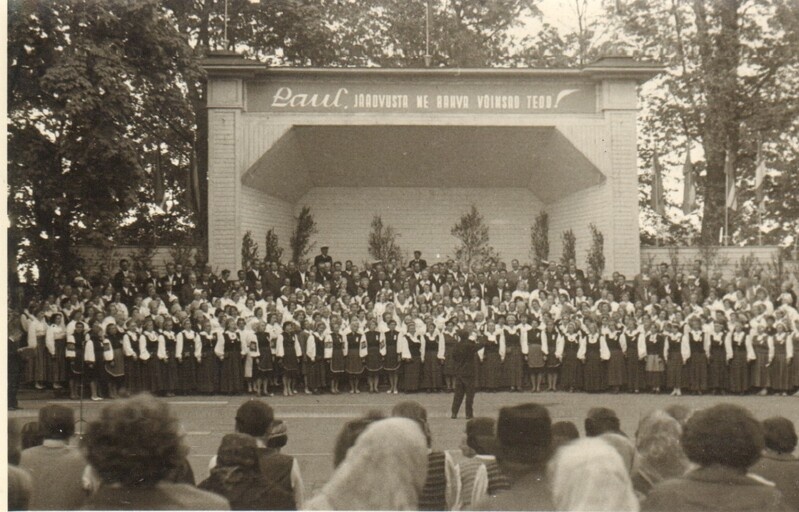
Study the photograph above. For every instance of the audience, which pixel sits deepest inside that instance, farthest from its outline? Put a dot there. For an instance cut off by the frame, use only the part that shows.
(601, 420)
(31, 435)
(480, 473)
(56, 467)
(237, 476)
(384, 470)
(724, 441)
(442, 487)
(660, 453)
(524, 446)
(777, 463)
(350, 433)
(20, 483)
(280, 468)
(590, 475)
(563, 432)
(133, 446)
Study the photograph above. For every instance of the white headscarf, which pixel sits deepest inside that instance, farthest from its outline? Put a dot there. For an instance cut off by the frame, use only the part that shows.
(589, 474)
(384, 470)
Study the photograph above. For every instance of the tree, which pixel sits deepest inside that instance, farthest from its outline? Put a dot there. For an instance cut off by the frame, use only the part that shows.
(382, 241)
(472, 232)
(539, 237)
(596, 253)
(568, 244)
(274, 253)
(94, 89)
(300, 241)
(249, 251)
(732, 74)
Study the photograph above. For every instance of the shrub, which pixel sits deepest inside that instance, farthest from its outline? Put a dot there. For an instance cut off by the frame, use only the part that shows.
(249, 251)
(383, 241)
(569, 250)
(473, 235)
(301, 237)
(539, 238)
(596, 253)
(274, 253)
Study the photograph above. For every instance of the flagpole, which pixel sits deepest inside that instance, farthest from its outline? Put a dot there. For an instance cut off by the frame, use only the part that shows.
(726, 207)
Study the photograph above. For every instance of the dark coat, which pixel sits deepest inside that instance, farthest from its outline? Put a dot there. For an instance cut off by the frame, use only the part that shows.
(464, 353)
(783, 470)
(714, 488)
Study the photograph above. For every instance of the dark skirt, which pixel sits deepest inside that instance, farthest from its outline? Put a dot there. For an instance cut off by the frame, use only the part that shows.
(44, 361)
(717, 369)
(780, 374)
(265, 365)
(431, 372)
(152, 375)
(354, 363)
(636, 376)
(449, 369)
(411, 373)
(374, 361)
(187, 374)
(617, 369)
(491, 371)
(316, 374)
(571, 371)
(133, 382)
(232, 378)
(674, 370)
(391, 362)
(535, 356)
(338, 364)
(514, 367)
(760, 377)
(552, 361)
(739, 372)
(115, 369)
(169, 375)
(594, 377)
(208, 373)
(290, 364)
(60, 363)
(697, 370)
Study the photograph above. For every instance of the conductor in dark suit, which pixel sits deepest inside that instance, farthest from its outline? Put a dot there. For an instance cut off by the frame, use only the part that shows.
(464, 356)
(417, 258)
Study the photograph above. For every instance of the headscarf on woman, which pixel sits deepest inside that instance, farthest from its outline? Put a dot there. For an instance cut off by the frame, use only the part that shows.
(589, 474)
(384, 470)
(660, 454)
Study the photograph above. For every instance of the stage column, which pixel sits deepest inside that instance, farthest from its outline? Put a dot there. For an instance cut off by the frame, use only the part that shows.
(225, 103)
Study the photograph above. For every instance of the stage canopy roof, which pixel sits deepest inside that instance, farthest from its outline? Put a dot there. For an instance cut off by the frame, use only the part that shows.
(539, 158)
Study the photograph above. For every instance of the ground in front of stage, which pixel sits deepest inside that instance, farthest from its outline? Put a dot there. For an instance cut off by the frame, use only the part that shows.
(314, 421)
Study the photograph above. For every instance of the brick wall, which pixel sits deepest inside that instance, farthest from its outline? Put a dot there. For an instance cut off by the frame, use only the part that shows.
(576, 212)
(422, 216)
(259, 212)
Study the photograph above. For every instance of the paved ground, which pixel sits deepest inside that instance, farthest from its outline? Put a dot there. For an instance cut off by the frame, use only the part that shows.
(314, 421)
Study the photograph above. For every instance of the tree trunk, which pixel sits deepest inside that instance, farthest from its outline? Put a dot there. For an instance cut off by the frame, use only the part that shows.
(720, 56)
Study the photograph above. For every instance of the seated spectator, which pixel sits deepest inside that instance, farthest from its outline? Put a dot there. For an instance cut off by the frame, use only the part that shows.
(350, 433)
(133, 446)
(442, 487)
(777, 463)
(589, 474)
(679, 412)
(524, 445)
(280, 468)
(600, 420)
(660, 454)
(56, 468)
(480, 473)
(238, 478)
(384, 470)
(563, 432)
(20, 484)
(624, 447)
(31, 435)
(725, 441)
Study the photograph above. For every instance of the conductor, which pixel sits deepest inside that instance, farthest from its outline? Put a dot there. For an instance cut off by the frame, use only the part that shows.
(464, 356)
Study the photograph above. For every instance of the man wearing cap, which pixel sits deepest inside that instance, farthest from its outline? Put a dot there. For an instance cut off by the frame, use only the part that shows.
(464, 355)
(523, 448)
(56, 468)
(323, 258)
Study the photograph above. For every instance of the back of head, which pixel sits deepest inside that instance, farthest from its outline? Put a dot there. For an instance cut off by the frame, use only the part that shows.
(564, 432)
(254, 417)
(679, 412)
(724, 434)
(237, 450)
(623, 446)
(589, 474)
(135, 442)
(56, 422)
(480, 435)
(384, 470)
(660, 452)
(413, 411)
(349, 434)
(31, 435)
(780, 434)
(600, 420)
(278, 435)
(524, 434)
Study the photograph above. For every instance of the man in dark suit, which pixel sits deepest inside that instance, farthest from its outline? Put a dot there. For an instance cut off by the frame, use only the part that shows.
(464, 355)
(124, 271)
(417, 258)
(323, 258)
